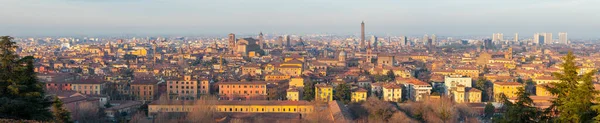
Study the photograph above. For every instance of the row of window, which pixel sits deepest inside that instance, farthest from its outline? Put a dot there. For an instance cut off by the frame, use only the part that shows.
(145, 92)
(90, 92)
(245, 92)
(241, 109)
(139, 88)
(245, 86)
(263, 110)
(192, 82)
(59, 84)
(85, 87)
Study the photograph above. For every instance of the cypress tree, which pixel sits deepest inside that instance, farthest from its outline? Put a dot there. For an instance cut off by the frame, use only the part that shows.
(21, 95)
(574, 92)
(61, 115)
(522, 111)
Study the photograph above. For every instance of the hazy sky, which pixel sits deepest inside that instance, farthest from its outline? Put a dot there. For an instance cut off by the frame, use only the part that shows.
(580, 18)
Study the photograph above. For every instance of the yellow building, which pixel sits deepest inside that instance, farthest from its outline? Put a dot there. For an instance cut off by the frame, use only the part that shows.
(138, 52)
(459, 94)
(293, 94)
(297, 82)
(270, 67)
(392, 92)
(252, 54)
(474, 95)
(385, 60)
(545, 79)
(323, 92)
(293, 62)
(293, 57)
(466, 71)
(251, 69)
(507, 88)
(359, 95)
(290, 70)
(248, 106)
(182, 88)
(419, 57)
(276, 77)
(540, 90)
(88, 86)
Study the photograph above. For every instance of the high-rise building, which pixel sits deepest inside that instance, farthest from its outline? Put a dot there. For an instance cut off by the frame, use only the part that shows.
(542, 38)
(548, 38)
(362, 34)
(516, 37)
(562, 38)
(497, 37)
(280, 41)
(487, 44)
(374, 40)
(433, 40)
(425, 39)
(403, 41)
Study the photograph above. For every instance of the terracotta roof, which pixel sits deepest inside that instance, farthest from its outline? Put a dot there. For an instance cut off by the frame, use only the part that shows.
(322, 85)
(360, 90)
(472, 90)
(545, 78)
(392, 85)
(235, 102)
(509, 83)
(247, 83)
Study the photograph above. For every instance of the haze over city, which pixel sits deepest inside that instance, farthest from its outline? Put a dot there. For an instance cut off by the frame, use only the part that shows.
(217, 17)
(303, 61)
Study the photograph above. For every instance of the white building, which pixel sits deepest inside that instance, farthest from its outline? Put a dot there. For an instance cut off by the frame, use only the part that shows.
(455, 80)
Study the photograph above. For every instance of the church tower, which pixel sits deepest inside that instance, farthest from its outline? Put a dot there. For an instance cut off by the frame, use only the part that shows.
(261, 40)
(232, 42)
(509, 53)
(362, 34)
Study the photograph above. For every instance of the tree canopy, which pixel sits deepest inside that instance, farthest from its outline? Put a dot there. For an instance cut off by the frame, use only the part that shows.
(575, 93)
(21, 94)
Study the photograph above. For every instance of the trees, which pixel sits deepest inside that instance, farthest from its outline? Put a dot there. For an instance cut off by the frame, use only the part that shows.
(489, 111)
(61, 115)
(309, 91)
(438, 111)
(342, 93)
(485, 86)
(21, 95)
(522, 111)
(390, 74)
(86, 111)
(574, 93)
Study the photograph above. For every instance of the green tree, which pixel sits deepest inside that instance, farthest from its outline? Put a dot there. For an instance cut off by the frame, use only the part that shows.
(342, 93)
(574, 93)
(61, 115)
(21, 95)
(522, 111)
(489, 111)
(309, 91)
(391, 75)
(485, 86)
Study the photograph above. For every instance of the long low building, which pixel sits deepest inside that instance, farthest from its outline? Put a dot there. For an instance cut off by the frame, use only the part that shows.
(247, 106)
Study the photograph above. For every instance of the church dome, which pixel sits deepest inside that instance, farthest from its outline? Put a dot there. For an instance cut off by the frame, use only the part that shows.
(343, 53)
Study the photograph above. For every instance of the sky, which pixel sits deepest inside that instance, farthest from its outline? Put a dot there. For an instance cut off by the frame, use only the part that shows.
(580, 18)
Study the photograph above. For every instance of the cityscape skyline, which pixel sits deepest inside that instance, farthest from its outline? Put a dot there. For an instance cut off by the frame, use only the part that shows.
(308, 61)
(443, 18)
